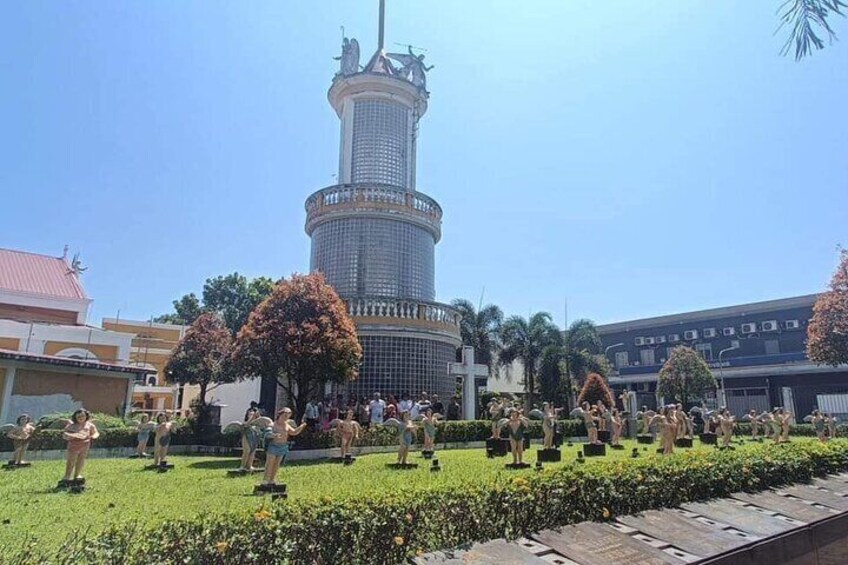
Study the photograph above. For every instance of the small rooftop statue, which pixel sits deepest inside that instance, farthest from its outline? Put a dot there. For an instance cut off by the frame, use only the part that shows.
(413, 69)
(349, 59)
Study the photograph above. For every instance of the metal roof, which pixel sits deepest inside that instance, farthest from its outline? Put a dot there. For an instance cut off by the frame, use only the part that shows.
(34, 274)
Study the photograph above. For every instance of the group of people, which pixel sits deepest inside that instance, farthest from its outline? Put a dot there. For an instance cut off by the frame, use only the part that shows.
(319, 414)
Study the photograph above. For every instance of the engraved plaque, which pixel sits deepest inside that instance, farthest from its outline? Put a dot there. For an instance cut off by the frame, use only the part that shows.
(599, 544)
(685, 533)
(736, 515)
(791, 507)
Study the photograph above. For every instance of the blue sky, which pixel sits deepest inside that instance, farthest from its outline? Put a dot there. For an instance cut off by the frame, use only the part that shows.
(638, 158)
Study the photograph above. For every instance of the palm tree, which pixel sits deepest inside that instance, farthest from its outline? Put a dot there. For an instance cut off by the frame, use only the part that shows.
(481, 330)
(582, 347)
(526, 340)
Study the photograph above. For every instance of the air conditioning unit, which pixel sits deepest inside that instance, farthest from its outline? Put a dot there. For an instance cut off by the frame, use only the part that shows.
(749, 328)
(649, 341)
(792, 324)
(660, 339)
(690, 335)
(729, 331)
(770, 326)
(709, 332)
(639, 341)
(673, 338)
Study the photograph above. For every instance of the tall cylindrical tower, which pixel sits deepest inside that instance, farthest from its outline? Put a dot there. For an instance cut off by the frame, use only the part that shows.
(374, 235)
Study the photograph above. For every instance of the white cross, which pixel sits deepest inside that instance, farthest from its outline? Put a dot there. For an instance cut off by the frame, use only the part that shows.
(468, 370)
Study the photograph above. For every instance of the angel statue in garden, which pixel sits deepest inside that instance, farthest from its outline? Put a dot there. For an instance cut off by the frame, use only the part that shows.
(251, 431)
(830, 422)
(548, 416)
(667, 425)
(347, 430)
(162, 437)
(406, 435)
(277, 443)
(144, 427)
(497, 410)
(817, 420)
(754, 420)
(428, 421)
(590, 419)
(516, 426)
(79, 432)
(644, 416)
(726, 422)
(20, 433)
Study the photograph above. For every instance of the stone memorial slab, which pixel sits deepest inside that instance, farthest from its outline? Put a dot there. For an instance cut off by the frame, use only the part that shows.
(687, 534)
(498, 552)
(599, 544)
(833, 484)
(791, 507)
(826, 498)
(740, 517)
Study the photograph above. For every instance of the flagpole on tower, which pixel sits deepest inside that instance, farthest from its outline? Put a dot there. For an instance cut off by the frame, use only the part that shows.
(382, 25)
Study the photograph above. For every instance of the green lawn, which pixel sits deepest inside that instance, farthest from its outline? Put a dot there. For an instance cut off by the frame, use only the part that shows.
(121, 491)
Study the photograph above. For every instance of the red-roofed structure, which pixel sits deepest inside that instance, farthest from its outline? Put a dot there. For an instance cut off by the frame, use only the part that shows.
(39, 288)
(42, 275)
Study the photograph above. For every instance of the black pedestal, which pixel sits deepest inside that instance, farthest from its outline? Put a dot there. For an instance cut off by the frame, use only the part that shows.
(617, 447)
(498, 447)
(514, 466)
(427, 454)
(434, 467)
(402, 465)
(604, 436)
(708, 439)
(549, 455)
(683, 442)
(13, 465)
(645, 438)
(276, 491)
(594, 450)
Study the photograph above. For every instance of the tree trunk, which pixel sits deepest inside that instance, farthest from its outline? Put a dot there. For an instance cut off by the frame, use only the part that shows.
(529, 385)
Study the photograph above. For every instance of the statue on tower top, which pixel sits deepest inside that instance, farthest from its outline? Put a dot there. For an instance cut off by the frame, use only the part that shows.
(349, 58)
(414, 70)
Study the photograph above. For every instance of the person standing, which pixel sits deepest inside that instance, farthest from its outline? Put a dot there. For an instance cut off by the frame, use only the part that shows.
(405, 404)
(377, 408)
(437, 406)
(454, 409)
(311, 415)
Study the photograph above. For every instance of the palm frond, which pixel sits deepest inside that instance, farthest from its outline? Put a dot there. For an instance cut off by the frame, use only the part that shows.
(805, 20)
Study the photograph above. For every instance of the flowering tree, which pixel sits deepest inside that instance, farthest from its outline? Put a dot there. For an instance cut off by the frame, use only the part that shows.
(199, 357)
(595, 389)
(827, 334)
(685, 376)
(302, 337)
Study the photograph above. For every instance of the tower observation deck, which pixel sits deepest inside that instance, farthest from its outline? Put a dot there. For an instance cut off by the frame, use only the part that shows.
(374, 234)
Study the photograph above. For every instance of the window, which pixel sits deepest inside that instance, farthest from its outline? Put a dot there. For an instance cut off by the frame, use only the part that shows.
(772, 347)
(647, 356)
(705, 349)
(621, 359)
(668, 351)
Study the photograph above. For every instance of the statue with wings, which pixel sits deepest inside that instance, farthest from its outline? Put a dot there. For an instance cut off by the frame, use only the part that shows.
(252, 431)
(144, 427)
(347, 430)
(20, 433)
(413, 68)
(589, 415)
(406, 435)
(79, 432)
(429, 420)
(349, 59)
(548, 415)
(162, 438)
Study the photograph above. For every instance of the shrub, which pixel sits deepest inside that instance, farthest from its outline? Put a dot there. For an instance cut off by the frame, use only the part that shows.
(595, 389)
(102, 420)
(398, 525)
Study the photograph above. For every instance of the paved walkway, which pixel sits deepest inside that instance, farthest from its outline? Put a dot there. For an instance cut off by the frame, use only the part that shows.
(800, 524)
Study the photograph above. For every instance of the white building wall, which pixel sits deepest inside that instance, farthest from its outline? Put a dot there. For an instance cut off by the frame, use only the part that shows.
(235, 398)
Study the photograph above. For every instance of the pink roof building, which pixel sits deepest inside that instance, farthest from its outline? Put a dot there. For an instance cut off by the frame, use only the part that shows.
(40, 288)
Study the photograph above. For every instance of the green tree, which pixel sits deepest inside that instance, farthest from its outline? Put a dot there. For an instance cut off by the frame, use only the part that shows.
(582, 352)
(827, 333)
(594, 389)
(525, 340)
(302, 337)
(481, 330)
(232, 296)
(199, 358)
(551, 372)
(806, 20)
(685, 376)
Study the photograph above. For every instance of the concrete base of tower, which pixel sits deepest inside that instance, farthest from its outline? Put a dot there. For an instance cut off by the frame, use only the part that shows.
(397, 362)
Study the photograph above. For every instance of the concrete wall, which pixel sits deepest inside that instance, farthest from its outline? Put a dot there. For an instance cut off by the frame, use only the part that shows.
(42, 392)
(236, 397)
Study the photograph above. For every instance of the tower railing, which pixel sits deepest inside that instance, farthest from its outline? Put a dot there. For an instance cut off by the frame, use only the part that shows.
(403, 309)
(376, 198)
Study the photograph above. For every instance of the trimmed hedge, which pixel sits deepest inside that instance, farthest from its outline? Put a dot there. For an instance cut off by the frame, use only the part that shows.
(447, 432)
(392, 527)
